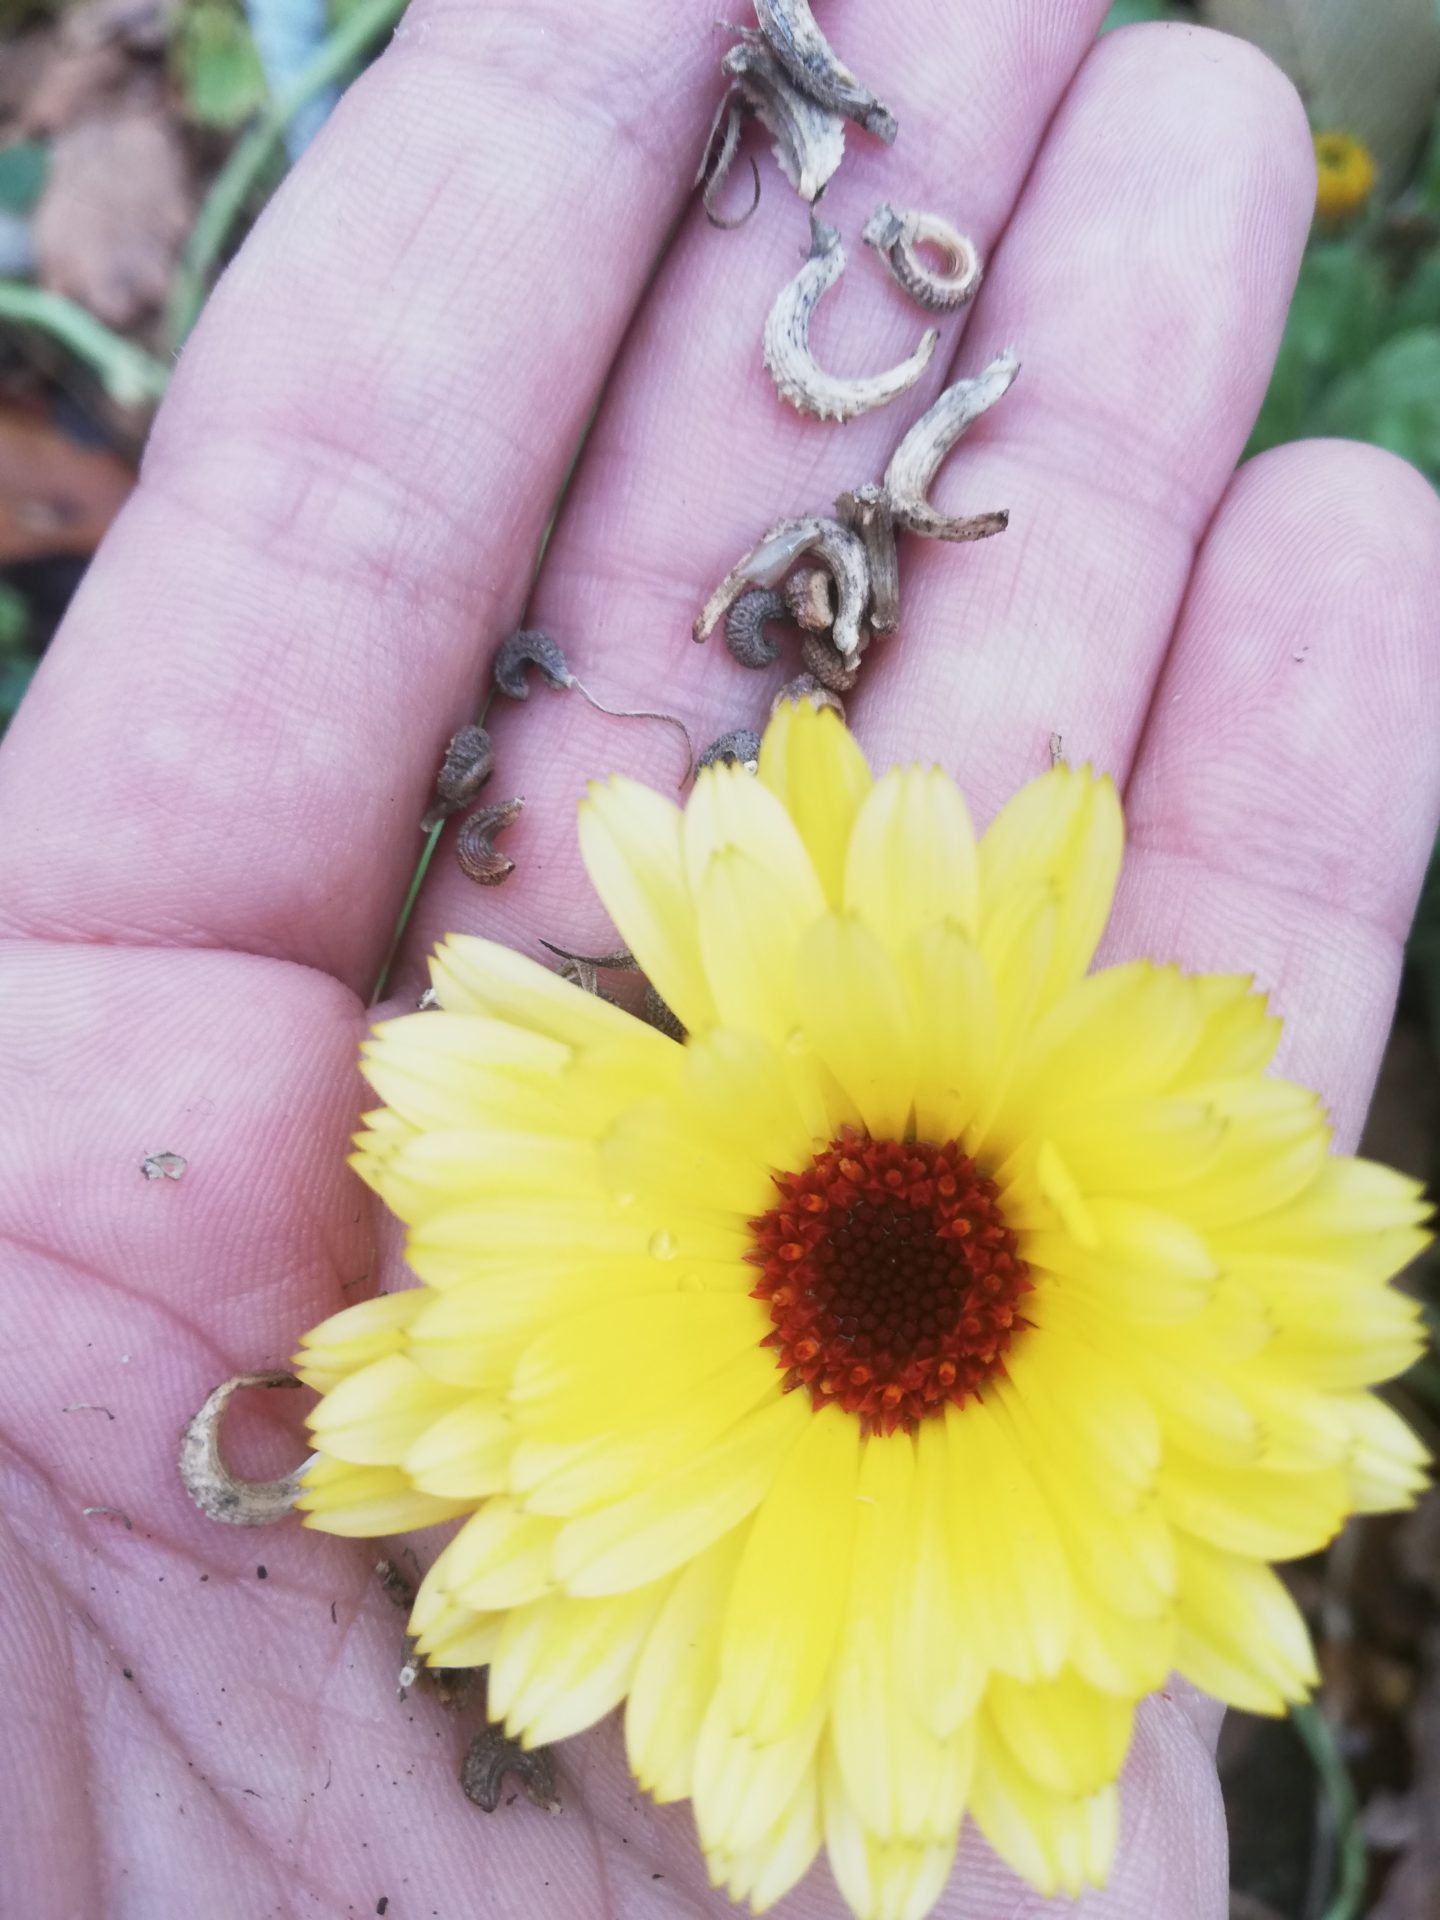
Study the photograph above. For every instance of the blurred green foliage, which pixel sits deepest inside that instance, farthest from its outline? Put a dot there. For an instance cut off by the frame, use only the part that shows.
(212, 55)
(16, 666)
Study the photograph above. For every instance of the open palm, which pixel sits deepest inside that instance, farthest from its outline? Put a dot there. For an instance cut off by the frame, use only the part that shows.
(210, 804)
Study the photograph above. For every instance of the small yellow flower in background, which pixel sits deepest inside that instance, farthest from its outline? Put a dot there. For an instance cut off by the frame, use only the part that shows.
(1345, 175)
(882, 1392)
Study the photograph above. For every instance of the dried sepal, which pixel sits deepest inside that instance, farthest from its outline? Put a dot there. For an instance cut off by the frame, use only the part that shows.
(530, 648)
(810, 599)
(866, 511)
(219, 1493)
(807, 56)
(491, 1756)
(740, 747)
(475, 843)
(806, 687)
(745, 625)
(799, 378)
(469, 762)
(713, 175)
(808, 139)
(771, 559)
(898, 238)
(836, 672)
(916, 460)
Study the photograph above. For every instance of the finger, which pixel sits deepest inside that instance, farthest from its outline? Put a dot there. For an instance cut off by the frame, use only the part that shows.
(1285, 799)
(694, 454)
(232, 742)
(1144, 281)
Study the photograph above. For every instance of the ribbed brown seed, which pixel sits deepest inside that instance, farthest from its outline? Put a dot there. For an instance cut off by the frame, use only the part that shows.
(808, 139)
(475, 843)
(740, 747)
(810, 598)
(469, 762)
(867, 512)
(530, 648)
(745, 624)
(836, 672)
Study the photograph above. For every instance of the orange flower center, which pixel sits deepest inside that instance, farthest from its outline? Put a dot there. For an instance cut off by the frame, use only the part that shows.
(891, 1277)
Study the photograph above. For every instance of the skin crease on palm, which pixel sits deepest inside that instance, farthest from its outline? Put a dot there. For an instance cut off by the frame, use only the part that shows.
(210, 799)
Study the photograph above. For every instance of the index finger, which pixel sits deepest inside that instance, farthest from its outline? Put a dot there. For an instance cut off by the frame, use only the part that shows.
(231, 742)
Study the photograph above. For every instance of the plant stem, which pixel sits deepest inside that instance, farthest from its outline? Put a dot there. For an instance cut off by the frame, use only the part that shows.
(1318, 1737)
(237, 179)
(129, 375)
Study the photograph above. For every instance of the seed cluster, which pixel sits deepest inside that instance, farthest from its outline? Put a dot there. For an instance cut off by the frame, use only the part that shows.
(891, 1277)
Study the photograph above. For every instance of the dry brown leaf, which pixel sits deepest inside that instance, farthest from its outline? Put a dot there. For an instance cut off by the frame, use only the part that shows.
(55, 495)
(84, 61)
(114, 213)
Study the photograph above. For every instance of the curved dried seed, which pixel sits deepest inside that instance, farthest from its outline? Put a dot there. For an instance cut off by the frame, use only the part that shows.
(808, 139)
(866, 511)
(745, 625)
(768, 562)
(836, 672)
(530, 648)
(492, 1755)
(475, 843)
(806, 687)
(916, 460)
(469, 762)
(219, 1493)
(799, 378)
(810, 598)
(810, 60)
(740, 747)
(710, 179)
(898, 237)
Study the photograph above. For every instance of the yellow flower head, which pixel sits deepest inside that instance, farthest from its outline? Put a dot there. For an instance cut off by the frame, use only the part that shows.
(883, 1391)
(1345, 175)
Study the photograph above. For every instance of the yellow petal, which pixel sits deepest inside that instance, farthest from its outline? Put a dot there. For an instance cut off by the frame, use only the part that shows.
(854, 1010)
(1274, 1516)
(731, 812)
(750, 928)
(630, 841)
(500, 1558)
(354, 1337)
(560, 1664)
(775, 1659)
(471, 975)
(1012, 1580)
(1061, 837)
(912, 861)
(677, 1516)
(740, 1780)
(940, 1668)
(359, 1502)
(677, 1672)
(1057, 1842)
(1388, 1466)
(952, 1004)
(465, 1454)
(373, 1417)
(880, 1879)
(1066, 1734)
(763, 1873)
(663, 1151)
(1241, 1637)
(813, 766)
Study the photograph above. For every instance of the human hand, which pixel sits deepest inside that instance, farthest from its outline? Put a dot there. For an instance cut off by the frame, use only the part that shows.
(210, 801)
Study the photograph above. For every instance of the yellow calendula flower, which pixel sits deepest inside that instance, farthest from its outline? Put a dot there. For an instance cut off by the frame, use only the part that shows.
(1345, 175)
(884, 1390)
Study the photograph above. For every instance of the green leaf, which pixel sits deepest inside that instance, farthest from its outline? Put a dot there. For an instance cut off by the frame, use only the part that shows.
(1128, 13)
(23, 167)
(1363, 68)
(14, 621)
(218, 67)
(1393, 400)
(1336, 319)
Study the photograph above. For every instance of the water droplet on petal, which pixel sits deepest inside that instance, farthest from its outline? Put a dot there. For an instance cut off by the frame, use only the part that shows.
(664, 1245)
